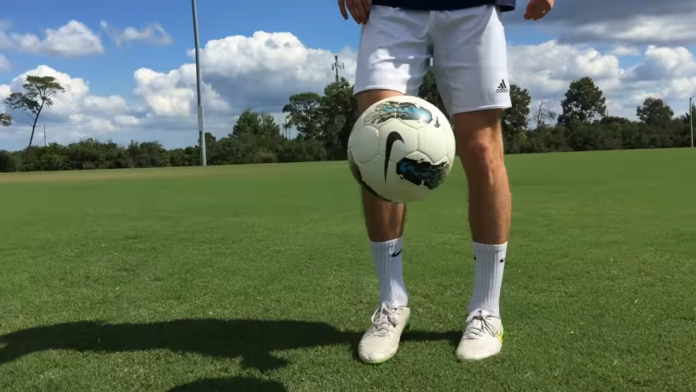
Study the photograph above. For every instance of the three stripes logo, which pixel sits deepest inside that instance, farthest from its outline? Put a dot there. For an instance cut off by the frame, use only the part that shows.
(502, 88)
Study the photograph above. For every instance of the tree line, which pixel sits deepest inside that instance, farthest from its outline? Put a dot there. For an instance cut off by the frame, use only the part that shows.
(322, 123)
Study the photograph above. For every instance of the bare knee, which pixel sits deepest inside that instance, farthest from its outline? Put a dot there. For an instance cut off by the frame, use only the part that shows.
(480, 142)
(481, 154)
(368, 98)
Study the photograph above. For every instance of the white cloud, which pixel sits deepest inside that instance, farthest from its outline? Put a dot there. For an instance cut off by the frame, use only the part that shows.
(621, 50)
(76, 113)
(547, 69)
(153, 34)
(628, 22)
(66, 103)
(260, 72)
(5, 41)
(72, 40)
(657, 29)
(174, 94)
(664, 63)
(4, 93)
(126, 121)
(110, 105)
(4, 63)
(263, 70)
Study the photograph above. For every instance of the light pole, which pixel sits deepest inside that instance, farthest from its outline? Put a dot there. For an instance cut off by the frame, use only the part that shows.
(201, 126)
(691, 120)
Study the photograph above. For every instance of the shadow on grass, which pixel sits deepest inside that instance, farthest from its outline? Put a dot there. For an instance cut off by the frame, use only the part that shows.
(254, 341)
(231, 384)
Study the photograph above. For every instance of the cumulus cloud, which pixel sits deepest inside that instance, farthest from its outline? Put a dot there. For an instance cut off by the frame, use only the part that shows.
(665, 72)
(639, 29)
(636, 22)
(239, 72)
(153, 34)
(174, 94)
(75, 112)
(71, 40)
(265, 69)
(4, 93)
(262, 70)
(4, 63)
(153, 114)
(621, 50)
(662, 64)
(5, 41)
(258, 72)
(547, 69)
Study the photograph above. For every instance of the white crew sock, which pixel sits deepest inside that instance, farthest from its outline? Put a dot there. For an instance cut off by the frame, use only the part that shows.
(388, 261)
(489, 262)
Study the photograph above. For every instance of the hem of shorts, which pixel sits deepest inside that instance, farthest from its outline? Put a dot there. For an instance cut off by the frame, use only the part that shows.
(438, 5)
(377, 87)
(480, 108)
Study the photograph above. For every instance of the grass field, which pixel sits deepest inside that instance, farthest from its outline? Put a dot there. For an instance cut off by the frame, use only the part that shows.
(259, 278)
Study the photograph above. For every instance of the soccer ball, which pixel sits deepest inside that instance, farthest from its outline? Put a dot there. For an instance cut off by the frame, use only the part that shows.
(401, 149)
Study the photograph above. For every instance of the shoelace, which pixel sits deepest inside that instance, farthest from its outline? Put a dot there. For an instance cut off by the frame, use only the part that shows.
(383, 319)
(478, 325)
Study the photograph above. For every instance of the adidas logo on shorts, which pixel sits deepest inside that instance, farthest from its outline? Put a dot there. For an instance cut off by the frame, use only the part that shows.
(502, 88)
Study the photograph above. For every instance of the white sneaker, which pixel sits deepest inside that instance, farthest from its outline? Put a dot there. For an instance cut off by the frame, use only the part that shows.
(483, 337)
(381, 341)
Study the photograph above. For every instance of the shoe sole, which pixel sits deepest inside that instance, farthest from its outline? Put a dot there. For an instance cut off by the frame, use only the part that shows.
(406, 328)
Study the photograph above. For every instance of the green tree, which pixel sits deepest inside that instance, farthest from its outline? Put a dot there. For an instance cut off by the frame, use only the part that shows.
(255, 138)
(37, 94)
(251, 123)
(586, 136)
(515, 119)
(429, 92)
(8, 163)
(5, 119)
(654, 112)
(305, 114)
(584, 101)
(339, 111)
(148, 154)
(210, 141)
(328, 118)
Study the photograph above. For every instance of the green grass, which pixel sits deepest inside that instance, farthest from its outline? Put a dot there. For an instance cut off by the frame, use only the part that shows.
(259, 278)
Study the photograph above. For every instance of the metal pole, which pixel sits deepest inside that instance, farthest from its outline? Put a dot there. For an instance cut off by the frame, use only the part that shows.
(45, 144)
(691, 119)
(201, 126)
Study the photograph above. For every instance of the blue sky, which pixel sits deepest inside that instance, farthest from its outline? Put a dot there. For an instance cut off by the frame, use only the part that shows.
(317, 23)
(575, 40)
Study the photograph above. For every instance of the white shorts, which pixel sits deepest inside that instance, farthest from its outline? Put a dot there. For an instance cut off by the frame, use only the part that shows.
(467, 47)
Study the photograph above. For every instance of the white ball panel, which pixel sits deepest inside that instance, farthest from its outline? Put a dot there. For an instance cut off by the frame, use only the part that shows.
(432, 143)
(451, 149)
(372, 174)
(363, 143)
(436, 141)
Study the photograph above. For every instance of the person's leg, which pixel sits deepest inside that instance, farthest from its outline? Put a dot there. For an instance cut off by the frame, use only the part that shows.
(385, 227)
(480, 144)
(471, 62)
(392, 61)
